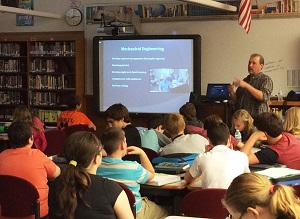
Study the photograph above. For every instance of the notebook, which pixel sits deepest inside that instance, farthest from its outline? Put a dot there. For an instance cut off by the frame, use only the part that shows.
(217, 92)
(161, 179)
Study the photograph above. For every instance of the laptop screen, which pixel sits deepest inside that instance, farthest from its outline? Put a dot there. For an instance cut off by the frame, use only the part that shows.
(217, 92)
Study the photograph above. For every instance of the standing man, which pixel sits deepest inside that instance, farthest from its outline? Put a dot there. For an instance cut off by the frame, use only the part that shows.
(253, 92)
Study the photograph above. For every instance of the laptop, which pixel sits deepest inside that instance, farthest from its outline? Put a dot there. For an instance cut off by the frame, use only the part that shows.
(217, 92)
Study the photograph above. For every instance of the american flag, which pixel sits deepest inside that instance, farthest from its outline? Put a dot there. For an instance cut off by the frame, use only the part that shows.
(245, 15)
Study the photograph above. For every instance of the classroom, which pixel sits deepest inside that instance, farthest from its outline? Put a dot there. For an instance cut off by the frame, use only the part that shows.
(225, 50)
(225, 46)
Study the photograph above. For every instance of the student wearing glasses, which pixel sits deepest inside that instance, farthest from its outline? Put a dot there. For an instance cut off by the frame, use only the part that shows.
(79, 193)
(251, 195)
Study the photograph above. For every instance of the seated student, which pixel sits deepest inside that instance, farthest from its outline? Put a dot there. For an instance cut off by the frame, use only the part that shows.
(27, 163)
(292, 121)
(22, 114)
(73, 116)
(284, 148)
(78, 192)
(117, 115)
(153, 137)
(129, 173)
(189, 143)
(220, 164)
(210, 121)
(188, 111)
(252, 195)
(243, 121)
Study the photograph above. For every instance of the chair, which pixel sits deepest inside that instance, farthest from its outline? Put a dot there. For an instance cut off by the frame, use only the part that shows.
(204, 203)
(151, 154)
(76, 128)
(191, 129)
(130, 196)
(297, 190)
(55, 142)
(18, 197)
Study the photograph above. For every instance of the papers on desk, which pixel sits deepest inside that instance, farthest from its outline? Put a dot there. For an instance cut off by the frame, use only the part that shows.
(161, 179)
(280, 173)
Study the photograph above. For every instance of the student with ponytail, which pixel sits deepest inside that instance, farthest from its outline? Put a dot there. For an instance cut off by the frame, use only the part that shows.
(252, 195)
(79, 193)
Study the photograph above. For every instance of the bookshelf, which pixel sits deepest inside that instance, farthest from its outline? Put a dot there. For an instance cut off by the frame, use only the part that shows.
(190, 12)
(220, 17)
(178, 12)
(40, 70)
(13, 76)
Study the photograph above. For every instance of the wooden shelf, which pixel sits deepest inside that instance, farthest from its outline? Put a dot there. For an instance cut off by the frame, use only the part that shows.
(275, 103)
(219, 17)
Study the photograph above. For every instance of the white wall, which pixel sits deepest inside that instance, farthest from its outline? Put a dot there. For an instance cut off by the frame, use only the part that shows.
(225, 45)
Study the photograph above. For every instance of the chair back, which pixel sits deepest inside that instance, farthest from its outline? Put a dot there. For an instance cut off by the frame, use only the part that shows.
(130, 196)
(76, 128)
(18, 197)
(151, 154)
(55, 142)
(297, 190)
(204, 203)
(191, 129)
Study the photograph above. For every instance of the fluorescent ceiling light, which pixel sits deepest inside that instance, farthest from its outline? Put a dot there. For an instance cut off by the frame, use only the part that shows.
(29, 12)
(213, 4)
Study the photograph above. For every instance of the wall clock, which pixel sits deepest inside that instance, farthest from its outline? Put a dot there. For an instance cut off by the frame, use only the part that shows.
(73, 16)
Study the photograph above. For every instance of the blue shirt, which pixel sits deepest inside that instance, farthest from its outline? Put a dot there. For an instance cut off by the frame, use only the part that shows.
(130, 173)
(164, 86)
(149, 139)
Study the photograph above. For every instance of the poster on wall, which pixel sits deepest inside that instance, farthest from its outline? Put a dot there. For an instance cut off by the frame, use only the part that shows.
(25, 20)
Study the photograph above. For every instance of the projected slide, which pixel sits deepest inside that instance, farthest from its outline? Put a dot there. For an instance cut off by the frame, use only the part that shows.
(146, 75)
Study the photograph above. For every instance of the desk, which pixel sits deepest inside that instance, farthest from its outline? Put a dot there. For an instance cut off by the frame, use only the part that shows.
(3, 142)
(223, 109)
(175, 190)
(290, 182)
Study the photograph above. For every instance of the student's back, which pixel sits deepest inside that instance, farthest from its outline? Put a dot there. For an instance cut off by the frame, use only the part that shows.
(27, 163)
(117, 115)
(130, 173)
(73, 116)
(22, 114)
(220, 164)
(190, 143)
(153, 137)
(149, 139)
(86, 194)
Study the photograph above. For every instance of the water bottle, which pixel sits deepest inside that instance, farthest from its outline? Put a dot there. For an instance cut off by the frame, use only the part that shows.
(3, 129)
(280, 97)
(238, 135)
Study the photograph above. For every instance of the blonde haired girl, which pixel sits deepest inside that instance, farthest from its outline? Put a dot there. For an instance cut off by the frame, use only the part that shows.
(292, 121)
(252, 194)
(242, 121)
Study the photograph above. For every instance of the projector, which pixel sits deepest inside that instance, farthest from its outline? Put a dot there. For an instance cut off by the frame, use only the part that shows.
(115, 30)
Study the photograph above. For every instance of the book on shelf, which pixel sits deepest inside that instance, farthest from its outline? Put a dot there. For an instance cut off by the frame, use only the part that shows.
(161, 179)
